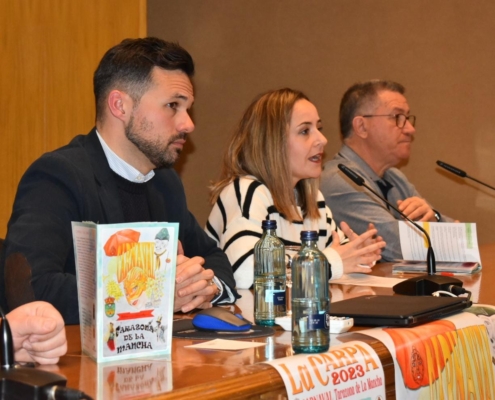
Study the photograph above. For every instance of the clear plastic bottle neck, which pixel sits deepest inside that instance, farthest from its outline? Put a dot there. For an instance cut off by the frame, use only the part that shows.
(270, 231)
(309, 243)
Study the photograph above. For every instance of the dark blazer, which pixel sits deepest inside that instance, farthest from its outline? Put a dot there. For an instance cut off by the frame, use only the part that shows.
(75, 183)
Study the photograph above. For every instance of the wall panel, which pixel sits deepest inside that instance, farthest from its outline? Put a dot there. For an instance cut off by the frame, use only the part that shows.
(50, 49)
(441, 51)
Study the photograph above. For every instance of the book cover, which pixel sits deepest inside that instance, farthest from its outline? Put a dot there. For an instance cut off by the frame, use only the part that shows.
(126, 282)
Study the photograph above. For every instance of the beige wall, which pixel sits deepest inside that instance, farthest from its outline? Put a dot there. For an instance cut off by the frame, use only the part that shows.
(49, 50)
(443, 53)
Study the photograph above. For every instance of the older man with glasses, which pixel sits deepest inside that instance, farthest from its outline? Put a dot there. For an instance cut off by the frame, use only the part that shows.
(377, 131)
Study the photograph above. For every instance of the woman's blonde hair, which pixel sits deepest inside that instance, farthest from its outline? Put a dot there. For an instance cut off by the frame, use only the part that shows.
(259, 148)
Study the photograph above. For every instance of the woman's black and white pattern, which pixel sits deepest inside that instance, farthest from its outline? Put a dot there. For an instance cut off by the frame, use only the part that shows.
(235, 224)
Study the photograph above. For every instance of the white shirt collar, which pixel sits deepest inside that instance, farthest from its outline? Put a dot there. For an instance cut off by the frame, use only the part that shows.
(122, 168)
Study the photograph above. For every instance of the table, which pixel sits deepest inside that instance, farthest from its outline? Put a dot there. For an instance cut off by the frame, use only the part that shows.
(212, 375)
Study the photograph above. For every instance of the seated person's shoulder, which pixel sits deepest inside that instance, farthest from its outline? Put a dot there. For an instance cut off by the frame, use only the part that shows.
(249, 189)
(332, 174)
(395, 172)
(72, 154)
(259, 190)
(330, 168)
(245, 184)
(67, 167)
(322, 203)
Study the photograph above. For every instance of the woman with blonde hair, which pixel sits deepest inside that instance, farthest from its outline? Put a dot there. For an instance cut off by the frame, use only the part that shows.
(270, 171)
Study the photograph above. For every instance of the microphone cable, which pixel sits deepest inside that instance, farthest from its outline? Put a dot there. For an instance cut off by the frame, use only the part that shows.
(453, 291)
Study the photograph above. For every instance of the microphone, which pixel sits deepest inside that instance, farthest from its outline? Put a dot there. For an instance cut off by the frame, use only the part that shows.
(461, 173)
(420, 285)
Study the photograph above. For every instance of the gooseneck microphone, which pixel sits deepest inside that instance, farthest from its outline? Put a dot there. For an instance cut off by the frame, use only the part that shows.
(461, 173)
(420, 285)
(358, 180)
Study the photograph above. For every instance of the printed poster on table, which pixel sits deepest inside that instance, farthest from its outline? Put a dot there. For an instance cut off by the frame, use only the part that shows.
(351, 370)
(451, 358)
(126, 282)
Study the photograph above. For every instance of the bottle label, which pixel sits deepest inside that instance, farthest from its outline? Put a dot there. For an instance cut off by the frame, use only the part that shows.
(318, 321)
(277, 297)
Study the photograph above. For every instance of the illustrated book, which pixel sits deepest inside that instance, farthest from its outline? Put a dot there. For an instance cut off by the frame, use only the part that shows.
(125, 282)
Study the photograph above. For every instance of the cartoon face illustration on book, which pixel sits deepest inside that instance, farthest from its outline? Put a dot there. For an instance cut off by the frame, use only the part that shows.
(135, 284)
(161, 246)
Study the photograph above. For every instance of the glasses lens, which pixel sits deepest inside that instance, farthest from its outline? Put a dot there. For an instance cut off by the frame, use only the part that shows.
(400, 120)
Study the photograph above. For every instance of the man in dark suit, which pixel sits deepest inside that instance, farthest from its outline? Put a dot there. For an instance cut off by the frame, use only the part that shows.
(119, 172)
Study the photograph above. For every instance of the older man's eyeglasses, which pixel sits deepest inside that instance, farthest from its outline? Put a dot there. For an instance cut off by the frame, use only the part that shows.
(400, 119)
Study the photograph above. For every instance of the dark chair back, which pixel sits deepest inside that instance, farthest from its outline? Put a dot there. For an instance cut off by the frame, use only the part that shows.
(18, 289)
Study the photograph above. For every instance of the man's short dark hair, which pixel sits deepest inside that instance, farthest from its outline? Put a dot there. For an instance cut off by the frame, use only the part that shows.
(361, 94)
(128, 67)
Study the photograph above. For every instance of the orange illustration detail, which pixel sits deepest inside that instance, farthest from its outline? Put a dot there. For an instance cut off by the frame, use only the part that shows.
(136, 264)
(121, 241)
(142, 255)
(422, 351)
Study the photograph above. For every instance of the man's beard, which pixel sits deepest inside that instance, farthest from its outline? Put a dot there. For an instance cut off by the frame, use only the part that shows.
(160, 156)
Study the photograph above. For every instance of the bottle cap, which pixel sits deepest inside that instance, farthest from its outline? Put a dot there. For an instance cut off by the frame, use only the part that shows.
(309, 235)
(269, 224)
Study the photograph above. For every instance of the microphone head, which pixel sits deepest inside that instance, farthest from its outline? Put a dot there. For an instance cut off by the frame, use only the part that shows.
(452, 169)
(358, 180)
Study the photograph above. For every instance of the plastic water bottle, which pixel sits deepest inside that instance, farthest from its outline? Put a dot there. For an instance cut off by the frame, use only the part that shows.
(269, 276)
(310, 300)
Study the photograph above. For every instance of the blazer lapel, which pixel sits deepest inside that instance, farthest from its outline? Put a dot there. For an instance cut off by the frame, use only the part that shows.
(107, 186)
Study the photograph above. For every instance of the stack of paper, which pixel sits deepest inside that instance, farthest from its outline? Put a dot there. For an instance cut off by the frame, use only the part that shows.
(455, 246)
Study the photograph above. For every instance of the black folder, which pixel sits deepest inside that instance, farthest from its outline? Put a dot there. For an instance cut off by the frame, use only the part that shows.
(397, 310)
